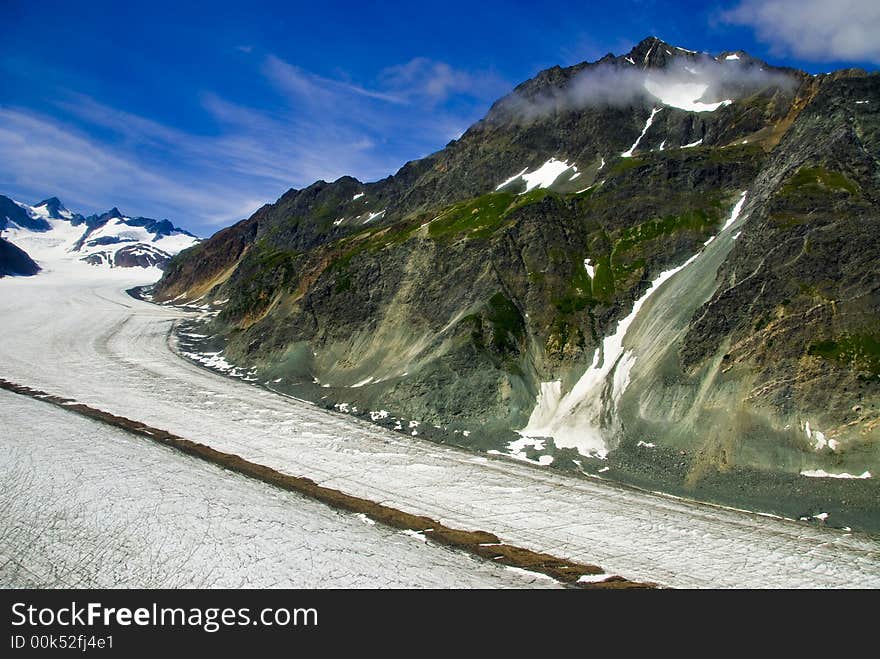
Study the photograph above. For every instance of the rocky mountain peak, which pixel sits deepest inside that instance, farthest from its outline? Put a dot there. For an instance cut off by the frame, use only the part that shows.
(52, 204)
(56, 210)
(654, 53)
(13, 213)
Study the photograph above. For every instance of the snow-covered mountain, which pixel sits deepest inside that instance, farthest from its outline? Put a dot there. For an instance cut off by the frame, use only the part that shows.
(48, 232)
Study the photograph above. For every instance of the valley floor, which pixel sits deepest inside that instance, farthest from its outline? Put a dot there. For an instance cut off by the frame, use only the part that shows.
(73, 334)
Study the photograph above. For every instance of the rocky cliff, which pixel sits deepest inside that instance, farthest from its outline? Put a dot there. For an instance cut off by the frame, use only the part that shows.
(15, 261)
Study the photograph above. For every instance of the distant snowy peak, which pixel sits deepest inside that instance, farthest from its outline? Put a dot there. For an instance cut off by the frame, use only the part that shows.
(136, 255)
(116, 240)
(113, 227)
(49, 231)
(54, 209)
(14, 216)
(653, 72)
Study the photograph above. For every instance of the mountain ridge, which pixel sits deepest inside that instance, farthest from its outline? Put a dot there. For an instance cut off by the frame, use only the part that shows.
(482, 288)
(125, 241)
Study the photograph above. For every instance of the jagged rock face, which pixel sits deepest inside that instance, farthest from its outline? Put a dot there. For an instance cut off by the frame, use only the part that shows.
(131, 256)
(142, 256)
(796, 310)
(445, 296)
(56, 210)
(10, 212)
(15, 261)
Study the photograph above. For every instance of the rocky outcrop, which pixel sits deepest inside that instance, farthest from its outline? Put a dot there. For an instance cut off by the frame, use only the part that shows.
(11, 214)
(139, 255)
(15, 261)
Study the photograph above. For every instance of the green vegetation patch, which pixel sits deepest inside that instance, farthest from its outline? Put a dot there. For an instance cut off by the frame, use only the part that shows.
(534, 197)
(808, 190)
(498, 331)
(818, 181)
(508, 326)
(478, 217)
(342, 284)
(482, 216)
(475, 218)
(579, 295)
(861, 351)
(735, 153)
(372, 240)
(696, 219)
(623, 270)
(567, 332)
(626, 164)
(271, 258)
(263, 272)
(603, 282)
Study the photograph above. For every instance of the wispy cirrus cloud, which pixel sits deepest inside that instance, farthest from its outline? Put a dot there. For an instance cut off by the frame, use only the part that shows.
(315, 88)
(87, 174)
(817, 30)
(423, 79)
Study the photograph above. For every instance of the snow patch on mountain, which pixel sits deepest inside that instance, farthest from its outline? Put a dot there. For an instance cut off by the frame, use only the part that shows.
(629, 152)
(588, 266)
(544, 176)
(372, 216)
(682, 95)
(572, 419)
(820, 473)
(737, 209)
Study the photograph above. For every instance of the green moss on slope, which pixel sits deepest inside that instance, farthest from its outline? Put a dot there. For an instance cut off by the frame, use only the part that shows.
(482, 216)
(860, 351)
(818, 181)
(696, 219)
(508, 326)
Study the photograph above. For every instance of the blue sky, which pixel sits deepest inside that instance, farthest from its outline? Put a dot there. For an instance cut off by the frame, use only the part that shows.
(202, 112)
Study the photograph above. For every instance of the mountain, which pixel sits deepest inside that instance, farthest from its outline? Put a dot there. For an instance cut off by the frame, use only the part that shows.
(660, 265)
(14, 261)
(48, 231)
(15, 215)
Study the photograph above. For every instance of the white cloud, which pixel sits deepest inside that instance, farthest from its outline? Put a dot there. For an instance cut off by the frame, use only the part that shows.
(423, 79)
(818, 30)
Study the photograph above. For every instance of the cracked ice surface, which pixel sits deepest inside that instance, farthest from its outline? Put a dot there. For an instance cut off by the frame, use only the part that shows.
(74, 335)
(90, 506)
